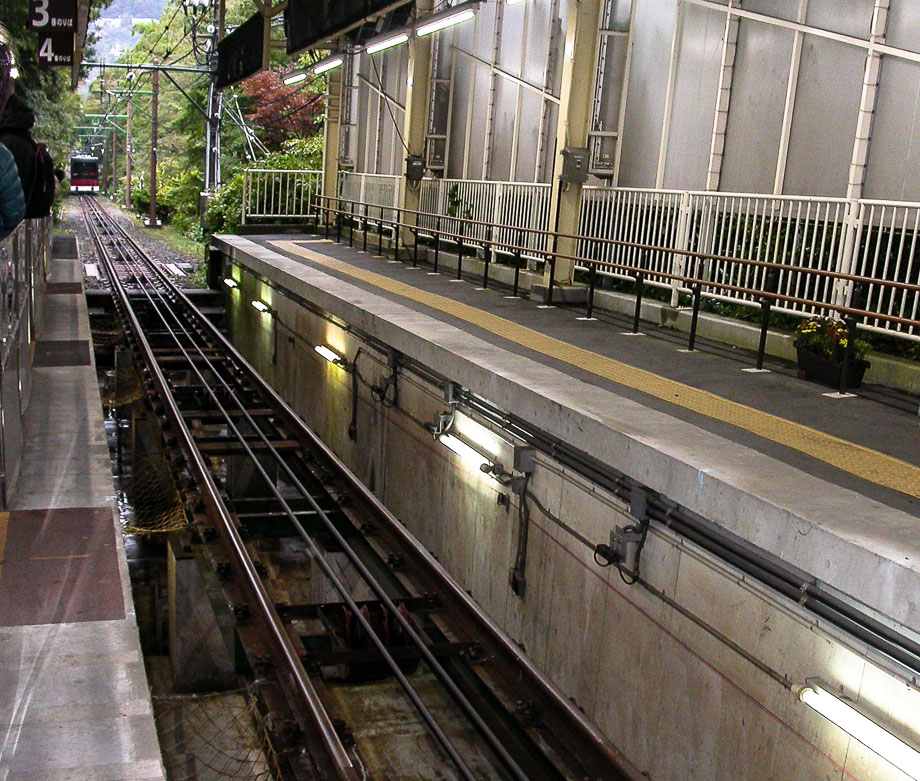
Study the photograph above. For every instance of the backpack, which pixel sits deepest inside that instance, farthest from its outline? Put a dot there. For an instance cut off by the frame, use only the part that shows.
(41, 196)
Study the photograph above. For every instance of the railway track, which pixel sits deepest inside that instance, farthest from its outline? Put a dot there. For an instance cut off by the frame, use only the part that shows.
(373, 662)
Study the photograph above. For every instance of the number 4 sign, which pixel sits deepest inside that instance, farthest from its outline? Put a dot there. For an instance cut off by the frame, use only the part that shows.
(55, 49)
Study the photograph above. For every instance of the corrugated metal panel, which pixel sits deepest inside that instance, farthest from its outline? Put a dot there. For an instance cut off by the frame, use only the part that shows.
(694, 98)
(893, 171)
(506, 95)
(528, 140)
(756, 115)
(652, 34)
(853, 17)
(903, 23)
(779, 9)
(824, 121)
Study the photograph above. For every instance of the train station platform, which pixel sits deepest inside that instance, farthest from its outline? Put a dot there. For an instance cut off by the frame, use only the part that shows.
(74, 701)
(830, 485)
(866, 442)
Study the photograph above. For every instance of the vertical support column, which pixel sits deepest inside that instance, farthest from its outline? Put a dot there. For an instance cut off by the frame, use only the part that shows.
(669, 98)
(332, 129)
(575, 100)
(791, 86)
(853, 223)
(724, 96)
(493, 90)
(128, 152)
(415, 122)
(154, 132)
(867, 100)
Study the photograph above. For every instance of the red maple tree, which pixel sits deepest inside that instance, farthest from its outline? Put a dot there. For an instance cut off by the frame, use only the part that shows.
(278, 110)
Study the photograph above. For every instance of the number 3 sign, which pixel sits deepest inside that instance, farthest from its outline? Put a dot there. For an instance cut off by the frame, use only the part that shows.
(55, 22)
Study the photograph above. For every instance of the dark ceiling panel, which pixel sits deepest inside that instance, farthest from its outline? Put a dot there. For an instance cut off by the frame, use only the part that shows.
(309, 22)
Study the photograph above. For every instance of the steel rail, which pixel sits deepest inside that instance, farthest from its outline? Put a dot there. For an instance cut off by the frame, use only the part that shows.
(316, 553)
(560, 700)
(295, 672)
(446, 680)
(580, 733)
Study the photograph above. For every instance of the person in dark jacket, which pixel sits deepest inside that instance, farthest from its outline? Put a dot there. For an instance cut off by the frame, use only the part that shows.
(16, 123)
(12, 202)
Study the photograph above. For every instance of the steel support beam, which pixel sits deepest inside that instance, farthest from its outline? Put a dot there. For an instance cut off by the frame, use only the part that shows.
(575, 101)
(332, 129)
(415, 121)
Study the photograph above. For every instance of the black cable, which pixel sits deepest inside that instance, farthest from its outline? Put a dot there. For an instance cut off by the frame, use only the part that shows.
(558, 521)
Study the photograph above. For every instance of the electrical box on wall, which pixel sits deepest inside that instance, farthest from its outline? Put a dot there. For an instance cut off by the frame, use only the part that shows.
(574, 165)
(415, 168)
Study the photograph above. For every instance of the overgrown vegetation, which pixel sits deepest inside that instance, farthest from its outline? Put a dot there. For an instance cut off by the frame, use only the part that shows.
(264, 123)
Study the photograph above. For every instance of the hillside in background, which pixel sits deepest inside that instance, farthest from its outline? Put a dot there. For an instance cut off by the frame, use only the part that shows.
(114, 26)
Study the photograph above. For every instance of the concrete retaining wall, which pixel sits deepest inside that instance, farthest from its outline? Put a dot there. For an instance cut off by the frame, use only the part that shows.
(692, 682)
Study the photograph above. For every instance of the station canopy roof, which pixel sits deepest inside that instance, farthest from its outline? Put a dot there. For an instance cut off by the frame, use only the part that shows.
(318, 24)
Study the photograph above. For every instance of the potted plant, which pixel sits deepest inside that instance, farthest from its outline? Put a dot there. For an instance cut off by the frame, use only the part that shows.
(821, 345)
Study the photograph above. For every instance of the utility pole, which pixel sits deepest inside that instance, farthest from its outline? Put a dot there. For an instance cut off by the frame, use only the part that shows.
(154, 131)
(128, 156)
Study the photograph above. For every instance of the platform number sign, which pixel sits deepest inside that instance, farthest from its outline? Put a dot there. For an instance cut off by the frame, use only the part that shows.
(55, 22)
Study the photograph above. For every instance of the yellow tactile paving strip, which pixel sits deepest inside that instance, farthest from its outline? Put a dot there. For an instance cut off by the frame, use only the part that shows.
(855, 459)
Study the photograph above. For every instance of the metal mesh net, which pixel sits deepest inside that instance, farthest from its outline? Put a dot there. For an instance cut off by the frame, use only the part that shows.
(156, 502)
(121, 388)
(214, 736)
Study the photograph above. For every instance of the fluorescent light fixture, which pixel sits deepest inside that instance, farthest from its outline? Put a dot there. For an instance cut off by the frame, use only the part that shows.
(456, 15)
(330, 355)
(468, 454)
(328, 64)
(294, 78)
(817, 695)
(231, 282)
(513, 2)
(387, 42)
(261, 306)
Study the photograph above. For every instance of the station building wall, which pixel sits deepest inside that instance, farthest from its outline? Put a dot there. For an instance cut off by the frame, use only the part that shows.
(790, 73)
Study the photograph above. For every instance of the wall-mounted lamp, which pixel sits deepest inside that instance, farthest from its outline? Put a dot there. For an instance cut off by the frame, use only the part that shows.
(441, 21)
(819, 696)
(294, 78)
(335, 61)
(261, 306)
(331, 355)
(231, 282)
(468, 454)
(387, 42)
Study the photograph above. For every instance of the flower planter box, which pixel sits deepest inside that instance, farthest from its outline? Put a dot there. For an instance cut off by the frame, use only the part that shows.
(820, 369)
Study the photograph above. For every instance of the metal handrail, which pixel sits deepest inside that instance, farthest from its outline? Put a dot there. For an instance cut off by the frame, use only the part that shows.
(553, 254)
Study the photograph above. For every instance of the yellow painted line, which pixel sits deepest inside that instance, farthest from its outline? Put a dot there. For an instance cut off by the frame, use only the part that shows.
(855, 459)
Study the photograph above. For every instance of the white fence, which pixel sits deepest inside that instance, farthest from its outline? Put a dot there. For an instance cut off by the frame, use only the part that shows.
(376, 189)
(511, 207)
(864, 238)
(887, 246)
(281, 194)
(873, 239)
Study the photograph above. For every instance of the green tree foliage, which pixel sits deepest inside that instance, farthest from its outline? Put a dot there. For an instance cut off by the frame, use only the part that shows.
(225, 208)
(286, 120)
(46, 90)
